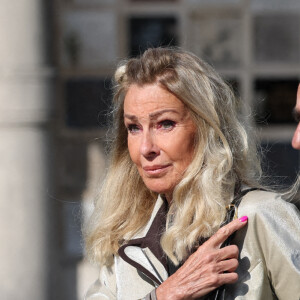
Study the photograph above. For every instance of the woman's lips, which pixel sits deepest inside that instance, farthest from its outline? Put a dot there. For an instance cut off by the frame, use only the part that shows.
(156, 169)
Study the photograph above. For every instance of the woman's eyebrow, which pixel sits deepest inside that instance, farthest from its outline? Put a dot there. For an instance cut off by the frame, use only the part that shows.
(156, 114)
(153, 115)
(130, 117)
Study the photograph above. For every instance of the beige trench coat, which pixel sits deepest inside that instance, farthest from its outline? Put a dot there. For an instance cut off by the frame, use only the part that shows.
(269, 263)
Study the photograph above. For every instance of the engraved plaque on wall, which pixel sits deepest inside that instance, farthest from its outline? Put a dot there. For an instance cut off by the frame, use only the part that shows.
(274, 100)
(89, 39)
(148, 32)
(277, 38)
(87, 103)
(216, 38)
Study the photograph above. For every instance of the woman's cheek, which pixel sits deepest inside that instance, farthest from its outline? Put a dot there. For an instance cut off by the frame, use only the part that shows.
(133, 150)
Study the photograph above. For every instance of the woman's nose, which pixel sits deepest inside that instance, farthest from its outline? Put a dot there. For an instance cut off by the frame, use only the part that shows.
(149, 147)
(296, 138)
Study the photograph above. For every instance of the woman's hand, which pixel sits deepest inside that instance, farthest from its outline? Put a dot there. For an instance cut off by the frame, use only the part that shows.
(206, 269)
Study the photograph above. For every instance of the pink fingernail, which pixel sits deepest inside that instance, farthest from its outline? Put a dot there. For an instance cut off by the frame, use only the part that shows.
(243, 219)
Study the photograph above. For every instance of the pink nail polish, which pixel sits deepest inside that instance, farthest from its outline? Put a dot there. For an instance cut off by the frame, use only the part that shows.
(243, 219)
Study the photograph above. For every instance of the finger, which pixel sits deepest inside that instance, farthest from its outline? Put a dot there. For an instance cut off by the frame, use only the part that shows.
(228, 278)
(216, 280)
(229, 265)
(231, 251)
(224, 232)
(211, 258)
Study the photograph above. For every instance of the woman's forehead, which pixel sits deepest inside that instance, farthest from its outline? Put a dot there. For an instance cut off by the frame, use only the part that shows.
(150, 98)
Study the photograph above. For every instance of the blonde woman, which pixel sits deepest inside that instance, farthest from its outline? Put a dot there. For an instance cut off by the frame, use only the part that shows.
(179, 157)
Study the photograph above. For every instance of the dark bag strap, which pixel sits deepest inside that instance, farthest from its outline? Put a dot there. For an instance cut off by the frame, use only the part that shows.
(232, 209)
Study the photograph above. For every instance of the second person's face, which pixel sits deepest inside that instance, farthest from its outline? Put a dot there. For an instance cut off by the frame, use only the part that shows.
(161, 136)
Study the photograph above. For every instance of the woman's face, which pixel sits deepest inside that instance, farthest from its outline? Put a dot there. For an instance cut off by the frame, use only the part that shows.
(161, 136)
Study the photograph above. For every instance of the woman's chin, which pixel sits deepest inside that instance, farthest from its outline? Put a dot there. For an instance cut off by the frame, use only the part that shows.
(160, 189)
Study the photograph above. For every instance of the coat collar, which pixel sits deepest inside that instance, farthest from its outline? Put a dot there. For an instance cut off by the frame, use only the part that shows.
(147, 243)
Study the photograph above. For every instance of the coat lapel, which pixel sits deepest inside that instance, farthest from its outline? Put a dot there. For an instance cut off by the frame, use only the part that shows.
(145, 253)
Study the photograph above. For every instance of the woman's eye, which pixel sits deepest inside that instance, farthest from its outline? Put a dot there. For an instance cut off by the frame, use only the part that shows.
(133, 128)
(166, 124)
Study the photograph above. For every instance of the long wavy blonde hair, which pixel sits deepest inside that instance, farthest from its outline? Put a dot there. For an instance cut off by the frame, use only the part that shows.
(224, 159)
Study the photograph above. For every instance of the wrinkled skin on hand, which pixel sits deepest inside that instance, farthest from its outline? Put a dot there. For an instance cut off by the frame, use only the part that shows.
(204, 269)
